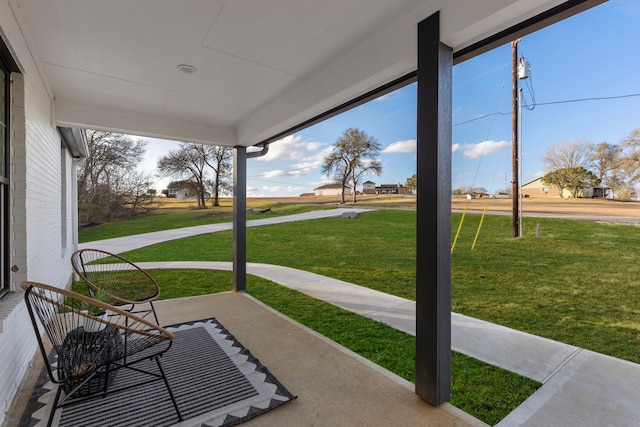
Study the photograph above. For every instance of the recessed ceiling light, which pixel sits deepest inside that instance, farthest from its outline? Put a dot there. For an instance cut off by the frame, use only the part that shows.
(186, 68)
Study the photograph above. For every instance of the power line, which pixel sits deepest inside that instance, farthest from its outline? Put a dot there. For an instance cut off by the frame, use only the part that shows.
(603, 98)
(534, 104)
(482, 117)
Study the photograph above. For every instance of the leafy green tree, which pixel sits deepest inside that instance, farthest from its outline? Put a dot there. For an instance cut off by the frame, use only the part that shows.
(571, 179)
(354, 154)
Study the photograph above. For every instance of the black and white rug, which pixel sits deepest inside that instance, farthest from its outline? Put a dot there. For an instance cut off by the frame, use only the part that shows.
(216, 381)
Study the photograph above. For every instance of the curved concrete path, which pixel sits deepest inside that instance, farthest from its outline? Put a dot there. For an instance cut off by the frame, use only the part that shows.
(580, 387)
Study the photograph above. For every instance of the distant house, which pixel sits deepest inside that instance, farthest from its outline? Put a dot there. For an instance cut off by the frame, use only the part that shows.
(537, 188)
(392, 189)
(368, 187)
(184, 191)
(331, 190)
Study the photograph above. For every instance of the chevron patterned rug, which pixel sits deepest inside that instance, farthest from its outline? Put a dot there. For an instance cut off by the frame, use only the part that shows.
(216, 381)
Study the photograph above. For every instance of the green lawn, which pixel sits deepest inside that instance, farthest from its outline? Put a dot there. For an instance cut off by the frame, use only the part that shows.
(575, 284)
(170, 218)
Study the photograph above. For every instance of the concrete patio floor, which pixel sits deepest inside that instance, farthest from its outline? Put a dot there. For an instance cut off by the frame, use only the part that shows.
(335, 387)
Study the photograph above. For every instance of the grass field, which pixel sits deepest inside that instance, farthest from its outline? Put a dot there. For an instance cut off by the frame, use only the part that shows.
(575, 283)
(172, 213)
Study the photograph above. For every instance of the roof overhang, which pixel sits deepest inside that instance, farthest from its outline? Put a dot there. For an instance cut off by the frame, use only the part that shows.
(263, 68)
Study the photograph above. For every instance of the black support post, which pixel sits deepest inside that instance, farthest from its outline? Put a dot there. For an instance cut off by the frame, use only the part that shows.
(239, 219)
(433, 228)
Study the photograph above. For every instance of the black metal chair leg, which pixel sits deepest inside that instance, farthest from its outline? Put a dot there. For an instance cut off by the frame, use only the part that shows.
(166, 382)
(153, 310)
(55, 406)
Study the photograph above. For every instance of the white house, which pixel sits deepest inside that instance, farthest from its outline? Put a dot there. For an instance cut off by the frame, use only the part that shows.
(331, 190)
(223, 73)
(537, 188)
(368, 187)
(184, 192)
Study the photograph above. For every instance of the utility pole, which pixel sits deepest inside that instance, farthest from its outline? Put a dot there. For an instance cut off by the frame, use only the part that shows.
(515, 194)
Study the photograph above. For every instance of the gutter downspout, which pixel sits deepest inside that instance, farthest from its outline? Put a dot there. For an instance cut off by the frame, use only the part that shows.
(262, 152)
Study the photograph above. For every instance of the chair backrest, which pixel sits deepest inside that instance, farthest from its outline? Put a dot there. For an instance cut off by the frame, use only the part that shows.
(115, 275)
(65, 317)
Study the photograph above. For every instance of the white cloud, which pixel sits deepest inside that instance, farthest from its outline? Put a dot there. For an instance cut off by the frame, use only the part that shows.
(407, 146)
(308, 164)
(455, 147)
(266, 191)
(314, 161)
(280, 174)
(473, 151)
(291, 147)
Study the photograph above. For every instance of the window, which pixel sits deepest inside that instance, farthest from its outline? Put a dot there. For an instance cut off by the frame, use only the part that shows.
(5, 98)
(7, 66)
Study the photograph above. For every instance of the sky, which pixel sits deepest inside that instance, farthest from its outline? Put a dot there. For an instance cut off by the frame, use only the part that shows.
(583, 85)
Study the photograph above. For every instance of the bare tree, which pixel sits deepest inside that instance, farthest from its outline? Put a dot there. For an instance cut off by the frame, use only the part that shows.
(567, 155)
(220, 160)
(412, 182)
(186, 162)
(630, 162)
(191, 161)
(353, 155)
(133, 191)
(105, 178)
(608, 162)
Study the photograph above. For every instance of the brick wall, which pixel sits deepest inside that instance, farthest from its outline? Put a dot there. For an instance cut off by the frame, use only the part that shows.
(42, 222)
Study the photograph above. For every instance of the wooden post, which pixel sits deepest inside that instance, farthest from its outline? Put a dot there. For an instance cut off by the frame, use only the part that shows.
(515, 193)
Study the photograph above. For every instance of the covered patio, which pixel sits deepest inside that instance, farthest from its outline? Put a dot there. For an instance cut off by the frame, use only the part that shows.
(239, 74)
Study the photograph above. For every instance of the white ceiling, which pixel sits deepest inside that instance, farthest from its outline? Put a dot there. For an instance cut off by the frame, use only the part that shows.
(263, 65)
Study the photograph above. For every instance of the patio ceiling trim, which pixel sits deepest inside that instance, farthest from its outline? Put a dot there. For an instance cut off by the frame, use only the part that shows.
(353, 103)
(544, 19)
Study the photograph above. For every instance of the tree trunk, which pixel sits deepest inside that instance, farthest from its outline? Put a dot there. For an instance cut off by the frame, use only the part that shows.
(216, 189)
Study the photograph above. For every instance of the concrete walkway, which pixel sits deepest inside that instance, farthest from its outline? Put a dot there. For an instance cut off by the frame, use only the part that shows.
(580, 387)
